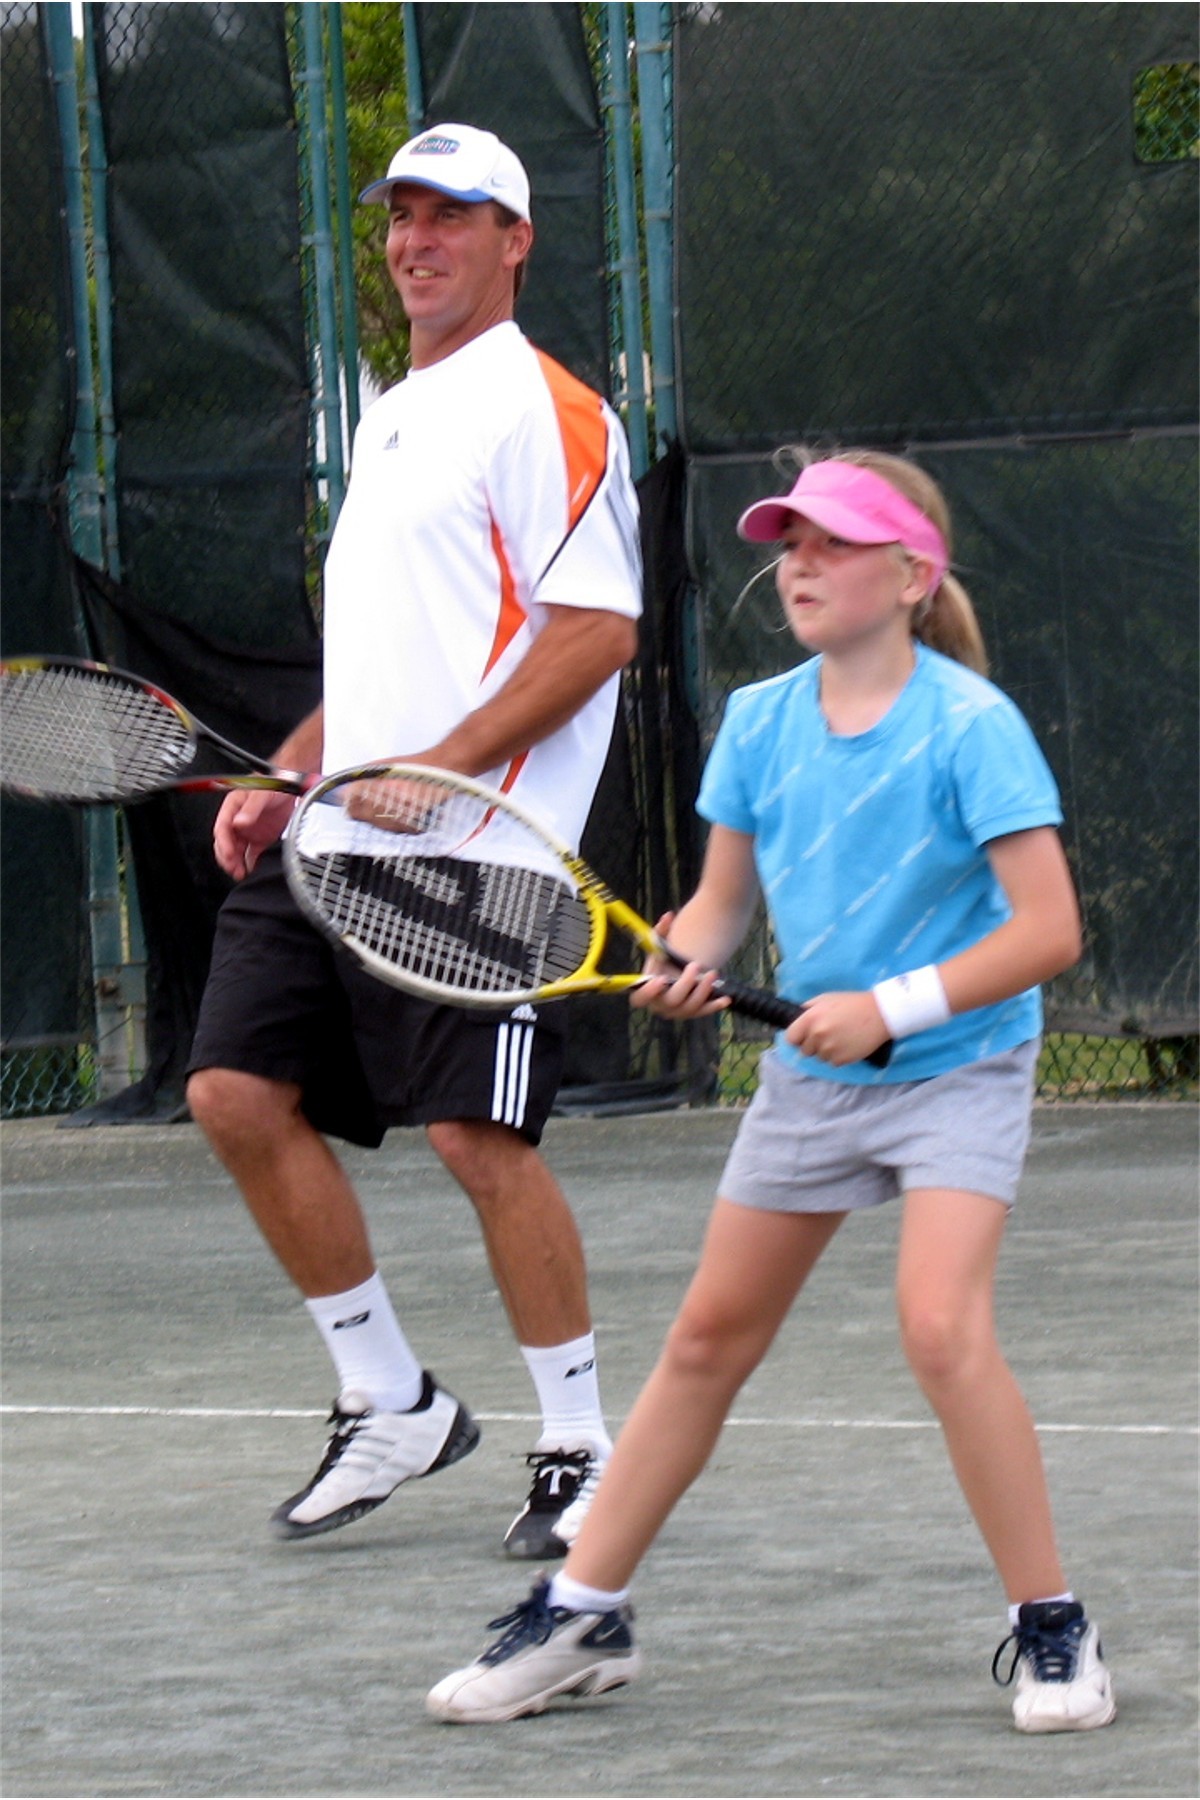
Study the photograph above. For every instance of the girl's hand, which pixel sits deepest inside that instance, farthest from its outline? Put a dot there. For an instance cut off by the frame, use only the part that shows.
(839, 1028)
(675, 993)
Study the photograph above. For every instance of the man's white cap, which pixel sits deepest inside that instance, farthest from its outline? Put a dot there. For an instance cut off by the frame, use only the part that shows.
(460, 160)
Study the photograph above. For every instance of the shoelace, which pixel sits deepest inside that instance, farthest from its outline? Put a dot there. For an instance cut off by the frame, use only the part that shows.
(346, 1426)
(574, 1465)
(1053, 1654)
(529, 1623)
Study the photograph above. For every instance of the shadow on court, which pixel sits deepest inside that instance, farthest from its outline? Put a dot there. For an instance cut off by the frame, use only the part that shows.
(818, 1617)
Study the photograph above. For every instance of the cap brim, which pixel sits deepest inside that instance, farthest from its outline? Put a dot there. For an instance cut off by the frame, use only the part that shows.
(381, 190)
(767, 520)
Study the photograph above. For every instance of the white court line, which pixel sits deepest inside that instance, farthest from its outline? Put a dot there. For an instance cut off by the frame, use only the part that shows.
(484, 1418)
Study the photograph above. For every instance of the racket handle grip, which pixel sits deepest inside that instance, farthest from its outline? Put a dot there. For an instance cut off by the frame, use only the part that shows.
(772, 1009)
(756, 1003)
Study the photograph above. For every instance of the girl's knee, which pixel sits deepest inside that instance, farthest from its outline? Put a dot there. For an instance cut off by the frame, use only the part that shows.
(707, 1345)
(944, 1343)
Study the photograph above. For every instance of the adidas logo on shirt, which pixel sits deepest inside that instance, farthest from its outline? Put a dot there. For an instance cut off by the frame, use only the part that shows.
(525, 1012)
(393, 443)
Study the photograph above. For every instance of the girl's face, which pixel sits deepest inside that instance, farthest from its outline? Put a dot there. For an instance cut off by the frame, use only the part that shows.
(837, 595)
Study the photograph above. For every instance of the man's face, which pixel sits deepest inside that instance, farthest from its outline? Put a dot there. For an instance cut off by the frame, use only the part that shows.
(452, 263)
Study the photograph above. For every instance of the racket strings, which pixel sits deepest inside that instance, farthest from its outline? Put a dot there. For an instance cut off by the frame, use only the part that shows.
(71, 734)
(473, 927)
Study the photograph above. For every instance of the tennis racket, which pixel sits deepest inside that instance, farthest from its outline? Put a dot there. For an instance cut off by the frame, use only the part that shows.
(453, 892)
(83, 732)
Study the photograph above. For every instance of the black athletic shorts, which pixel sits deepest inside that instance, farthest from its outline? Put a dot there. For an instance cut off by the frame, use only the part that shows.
(283, 1003)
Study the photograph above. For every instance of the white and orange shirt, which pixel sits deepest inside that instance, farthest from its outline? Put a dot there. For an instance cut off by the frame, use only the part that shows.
(484, 488)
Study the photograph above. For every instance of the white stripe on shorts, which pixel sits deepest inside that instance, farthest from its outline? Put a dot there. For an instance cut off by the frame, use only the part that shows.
(510, 1075)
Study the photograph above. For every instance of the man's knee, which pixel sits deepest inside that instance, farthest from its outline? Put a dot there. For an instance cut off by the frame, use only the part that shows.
(479, 1154)
(233, 1108)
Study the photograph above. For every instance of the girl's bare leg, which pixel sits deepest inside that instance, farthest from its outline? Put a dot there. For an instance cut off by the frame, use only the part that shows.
(949, 1246)
(752, 1267)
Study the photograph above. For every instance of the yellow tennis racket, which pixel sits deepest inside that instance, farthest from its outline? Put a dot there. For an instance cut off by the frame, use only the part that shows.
(453, 892)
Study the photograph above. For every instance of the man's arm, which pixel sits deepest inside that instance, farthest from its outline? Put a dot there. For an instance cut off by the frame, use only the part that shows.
(576, 652)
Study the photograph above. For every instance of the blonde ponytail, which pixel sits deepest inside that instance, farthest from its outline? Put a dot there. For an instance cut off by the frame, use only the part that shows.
(945, 619)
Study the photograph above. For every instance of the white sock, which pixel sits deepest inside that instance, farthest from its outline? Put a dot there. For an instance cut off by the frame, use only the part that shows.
(568, 1392)
(370, 1352)
(1014, 1612)
(564, 1591)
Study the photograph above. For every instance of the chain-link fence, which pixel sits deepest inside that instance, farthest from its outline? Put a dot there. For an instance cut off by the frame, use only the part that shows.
(47, 1062)
(151, 180)
(993, 269)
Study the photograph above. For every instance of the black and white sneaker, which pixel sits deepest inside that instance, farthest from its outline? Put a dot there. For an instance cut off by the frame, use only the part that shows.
(369, 1454)
(1062, 1682)
(564, 1483)
(545, 1652)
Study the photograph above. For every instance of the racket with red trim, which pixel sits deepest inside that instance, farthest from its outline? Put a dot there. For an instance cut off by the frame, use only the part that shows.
(83, 732)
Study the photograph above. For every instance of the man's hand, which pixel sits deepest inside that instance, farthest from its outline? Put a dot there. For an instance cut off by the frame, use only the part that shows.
(393, 804)
(246, 824)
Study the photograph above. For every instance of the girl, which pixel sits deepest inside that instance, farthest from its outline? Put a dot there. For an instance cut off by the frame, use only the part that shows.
(900, 821)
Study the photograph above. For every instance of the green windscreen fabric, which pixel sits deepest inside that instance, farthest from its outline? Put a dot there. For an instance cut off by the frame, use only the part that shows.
(950, 230)
(1081, 561)
(44, 979)
(210, 367)
(523, 72)
(930, 222)
(210, 471)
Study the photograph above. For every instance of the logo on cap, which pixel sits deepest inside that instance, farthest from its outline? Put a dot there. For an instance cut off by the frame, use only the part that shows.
(435, 146)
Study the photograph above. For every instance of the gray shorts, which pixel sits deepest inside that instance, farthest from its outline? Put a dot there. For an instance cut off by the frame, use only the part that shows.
(807, 1145)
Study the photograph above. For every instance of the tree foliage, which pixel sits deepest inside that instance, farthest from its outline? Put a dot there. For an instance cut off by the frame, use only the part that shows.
(377, 125)
(1166, 112)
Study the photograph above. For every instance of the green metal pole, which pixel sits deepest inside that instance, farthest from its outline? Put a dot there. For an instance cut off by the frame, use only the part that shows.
(102, 265)
(414, 81)
(133, 940)
(105, 925)
(84, 475)
(345, 216)
(619, 106)
(652, 27)
(327, 403)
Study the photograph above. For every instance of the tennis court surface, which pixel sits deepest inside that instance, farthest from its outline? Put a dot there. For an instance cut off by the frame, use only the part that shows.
(818, 1617)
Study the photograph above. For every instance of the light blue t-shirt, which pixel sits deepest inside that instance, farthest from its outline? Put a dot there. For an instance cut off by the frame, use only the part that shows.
(870, 849)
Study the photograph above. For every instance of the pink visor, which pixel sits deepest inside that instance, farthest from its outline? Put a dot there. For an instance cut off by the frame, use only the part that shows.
(852, 503)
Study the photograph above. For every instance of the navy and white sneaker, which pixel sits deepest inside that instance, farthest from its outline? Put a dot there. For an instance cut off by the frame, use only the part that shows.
(564, 1483)
(1062, 1682)
(545, 1652)
(370, 1452)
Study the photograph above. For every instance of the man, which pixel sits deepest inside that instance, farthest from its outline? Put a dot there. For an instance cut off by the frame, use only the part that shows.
(481, 596)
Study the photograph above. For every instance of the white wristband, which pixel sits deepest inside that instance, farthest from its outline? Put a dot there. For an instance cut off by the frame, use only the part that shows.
(912, 1002)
